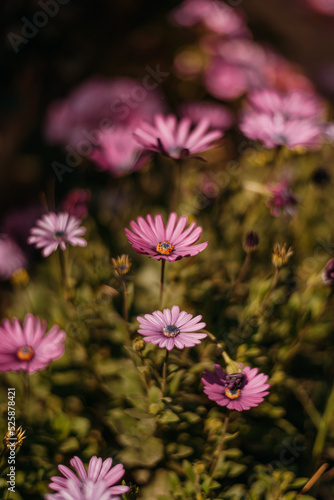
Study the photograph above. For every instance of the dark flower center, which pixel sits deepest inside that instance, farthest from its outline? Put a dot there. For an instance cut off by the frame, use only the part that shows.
(59, 235)
(165, 247)
(170, 331)
(25, 353)
(234, 382)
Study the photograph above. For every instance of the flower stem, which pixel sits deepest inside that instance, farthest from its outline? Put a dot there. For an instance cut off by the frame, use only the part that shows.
(26, 395)
(164, 374)
(220, 447)
(270, 291)
(316, 476)
(125, 303)
(324, 425)
(63, 269)
(162, 280)
(243, 270)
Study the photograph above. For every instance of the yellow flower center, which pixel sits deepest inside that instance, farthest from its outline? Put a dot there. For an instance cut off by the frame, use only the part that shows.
(25, 353)
(165, 247)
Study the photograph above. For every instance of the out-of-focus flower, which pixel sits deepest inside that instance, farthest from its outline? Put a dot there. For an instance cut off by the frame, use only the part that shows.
(176, 139)
(321, 176)
(118, 152)
(170, 242)
(76, 203)
(122, 265)
(171, 328)
(281, 255)
(12, 259)
(283, 76)
(98, 483)
(276, 130)
(328, 131)
(14, 438)
(325, 7)
(54, 230)
(282, 200)
(237, 391)
(20, 277)
(294, 104)
(26, 347)
(214, 15)
(219, 116)
(96, 105)
(251, 242)
(328, 274)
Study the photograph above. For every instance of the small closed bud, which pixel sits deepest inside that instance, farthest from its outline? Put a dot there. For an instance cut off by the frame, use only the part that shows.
(199, 467)
(138, 344)
(281, 255)
(328, 273)
(251, 242)
(122, 265)
(231, 366)
(321, 177)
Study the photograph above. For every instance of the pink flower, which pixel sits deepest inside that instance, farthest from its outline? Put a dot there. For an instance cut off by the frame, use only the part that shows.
(76, 203)
(118, 152)
(294, 104)
(98, 483)
(282, 200)
(11, 257)
(219, 116)
(237, 391)
(213, 14)
(175, 139)
(96, 105)
(276, 130)
(171, 243)
(325, 7)
(171, 328)
(54, 230)
(25, 347)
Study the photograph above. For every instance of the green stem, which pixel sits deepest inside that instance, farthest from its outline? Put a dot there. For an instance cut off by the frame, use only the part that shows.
(324, 424)
(63, 269)
(220, 447)
(164, 375)
(243, 270)
(270, 291)
(162, 280)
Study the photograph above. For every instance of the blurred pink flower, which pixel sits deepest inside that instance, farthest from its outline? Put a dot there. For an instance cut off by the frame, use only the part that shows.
(118, 152)
(282, 200)
(328, 273)
(237, 391)
(176, 139)
(219, 116)
(214, 15)
(325, 7)
(171, 243)
(171, 328)
(98, 482)
(96, 105)
(54, 230)
(25, 347)
(294, 104)
(11, 257)
(76, 203)
(276, 130)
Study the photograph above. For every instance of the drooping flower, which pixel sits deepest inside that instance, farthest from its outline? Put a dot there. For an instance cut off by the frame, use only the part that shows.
(170, 242)
(54, 230)
(277, 130)
(99, 483)
(237, 391)
(76, 203)
(176, 139)
(122, 265)
(14, 438)
(118, 152)
(281, 255)
(281, 200)
(219, 116)
(12, 258)
(171, 328)
(26, 347)
(328, 273)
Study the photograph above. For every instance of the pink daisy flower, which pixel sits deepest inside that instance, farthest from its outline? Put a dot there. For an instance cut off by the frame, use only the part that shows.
(171, 328)
(26, 347)
(237, 391)
(294, 104)
(11, 258)
(118, 152)
(76, 202)
(171, 243)
(54, 230)
(96, 484)
(174, 139)
(276, 130)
